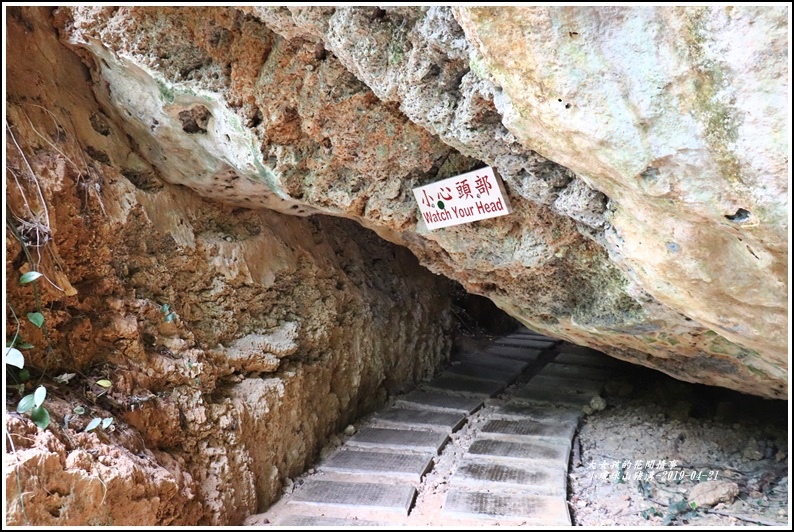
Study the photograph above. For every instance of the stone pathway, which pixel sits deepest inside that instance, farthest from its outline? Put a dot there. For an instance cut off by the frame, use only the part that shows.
(516, 406)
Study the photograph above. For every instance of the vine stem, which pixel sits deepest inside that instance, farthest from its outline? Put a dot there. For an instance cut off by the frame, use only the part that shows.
(36, 297)
(33, 175)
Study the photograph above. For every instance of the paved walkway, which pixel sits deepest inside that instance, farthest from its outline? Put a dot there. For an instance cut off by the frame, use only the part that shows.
(510, 463)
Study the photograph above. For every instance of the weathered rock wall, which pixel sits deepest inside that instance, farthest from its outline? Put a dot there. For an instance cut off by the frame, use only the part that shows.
(279, 330)
(647, 223)
(677, 115)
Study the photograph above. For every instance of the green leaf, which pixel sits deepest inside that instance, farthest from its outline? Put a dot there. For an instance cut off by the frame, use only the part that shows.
(104, 383)
(15, 357)
(678, 506)
(693, 505)
(19, 345)
(165, 308)
(29, 277)
(26, 404)
(94, 423)
(24, 375)
(36, 318)
(107, 422)
(40, 417)
(651, 512)
(79, 410)
(39, 395)
(169, 317)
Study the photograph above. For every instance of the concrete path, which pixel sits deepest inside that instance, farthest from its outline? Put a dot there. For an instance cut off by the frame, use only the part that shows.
(511, 409)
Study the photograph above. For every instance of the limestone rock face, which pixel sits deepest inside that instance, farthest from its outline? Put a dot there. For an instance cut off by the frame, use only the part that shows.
(644, 151)
(677, 115)
(236, 340)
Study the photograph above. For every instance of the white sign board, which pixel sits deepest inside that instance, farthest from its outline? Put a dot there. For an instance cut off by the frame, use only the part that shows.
(462, 199)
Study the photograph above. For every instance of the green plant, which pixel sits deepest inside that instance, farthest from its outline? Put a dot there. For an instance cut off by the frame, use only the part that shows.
(14, 357)
(32, 403)
(169, 314)
(106, 423)
(680, 509)
(95, 422)
(651, 512)
(76, 411)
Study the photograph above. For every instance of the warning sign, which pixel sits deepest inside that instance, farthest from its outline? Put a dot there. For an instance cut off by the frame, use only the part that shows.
(462, 199)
